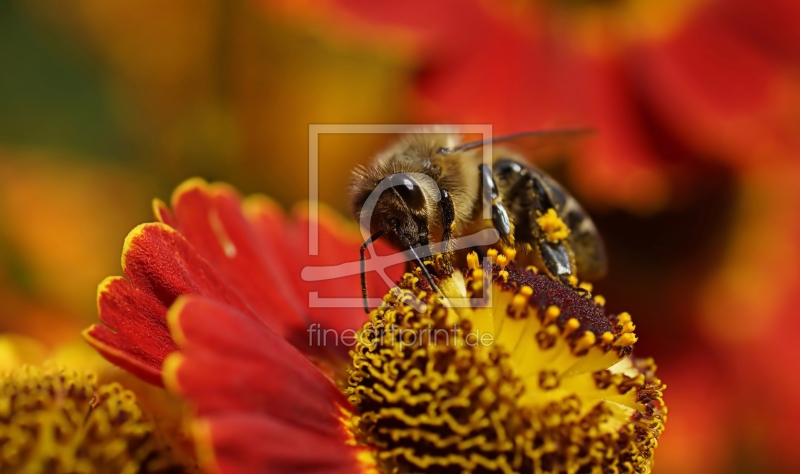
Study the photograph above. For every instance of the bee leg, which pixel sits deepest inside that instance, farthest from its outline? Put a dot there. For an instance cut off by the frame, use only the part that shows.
(521, 185)
(500, 217)
(448, 227)
(524, 184)
(556, 259)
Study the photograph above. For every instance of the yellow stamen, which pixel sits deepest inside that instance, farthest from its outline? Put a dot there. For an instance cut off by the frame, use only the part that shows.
(586, 341)
(473, 262)
(600, 300)
(502, 261)
(511, 253)
(551, 314)
(571, 326)
(573, 280)
(626, 340)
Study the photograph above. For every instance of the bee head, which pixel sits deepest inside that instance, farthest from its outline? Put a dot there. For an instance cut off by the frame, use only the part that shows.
(397, 206)
(395, 209)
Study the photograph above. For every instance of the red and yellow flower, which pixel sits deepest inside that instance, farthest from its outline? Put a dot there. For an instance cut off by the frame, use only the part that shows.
(665, 83)
(212, 307)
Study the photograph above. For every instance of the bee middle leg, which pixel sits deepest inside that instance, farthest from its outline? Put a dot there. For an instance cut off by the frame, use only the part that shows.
(501, 219)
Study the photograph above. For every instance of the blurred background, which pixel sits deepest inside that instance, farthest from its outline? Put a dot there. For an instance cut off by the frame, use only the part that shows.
(693, 177)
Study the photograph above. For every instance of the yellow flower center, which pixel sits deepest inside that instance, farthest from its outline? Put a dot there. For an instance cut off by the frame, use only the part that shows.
(538, 380)
(56, 420)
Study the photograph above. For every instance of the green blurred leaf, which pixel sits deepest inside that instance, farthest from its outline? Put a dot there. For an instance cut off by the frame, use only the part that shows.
(50, 96)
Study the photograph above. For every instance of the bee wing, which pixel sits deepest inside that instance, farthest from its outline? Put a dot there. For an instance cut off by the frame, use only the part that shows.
(540, 142)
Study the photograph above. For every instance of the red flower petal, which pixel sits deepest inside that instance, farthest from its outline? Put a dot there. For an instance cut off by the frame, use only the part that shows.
(620, 153)
(140, 340)
(336, 234)
(772, 24)
(244, 444)
(261, 254)
(265, 404)
(162, 213)
(717, 87)
(211, 218)
(251, 260)
(160, 266)
(241, 365)
(158, 260)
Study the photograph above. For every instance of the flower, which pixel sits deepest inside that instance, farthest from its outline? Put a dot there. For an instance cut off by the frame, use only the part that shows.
(542, 377)
(665, 83)
(551, 389)
(53, 419)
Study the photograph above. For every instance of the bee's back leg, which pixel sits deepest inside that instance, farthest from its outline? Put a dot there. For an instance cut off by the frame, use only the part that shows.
(556, 259)
(526, 198)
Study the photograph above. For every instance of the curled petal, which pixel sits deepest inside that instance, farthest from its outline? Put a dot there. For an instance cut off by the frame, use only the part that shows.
(160, 266)
(134, 335)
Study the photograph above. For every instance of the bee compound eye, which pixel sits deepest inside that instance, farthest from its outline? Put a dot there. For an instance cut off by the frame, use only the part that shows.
(409, 191)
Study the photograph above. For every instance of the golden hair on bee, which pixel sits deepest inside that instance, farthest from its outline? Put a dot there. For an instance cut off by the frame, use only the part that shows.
(409, 214)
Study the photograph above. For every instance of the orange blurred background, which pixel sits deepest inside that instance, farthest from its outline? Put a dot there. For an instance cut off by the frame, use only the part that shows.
(693, 179)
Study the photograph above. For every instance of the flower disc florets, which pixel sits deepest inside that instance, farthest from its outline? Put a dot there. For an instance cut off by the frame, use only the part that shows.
(54, 420)
(540, 379)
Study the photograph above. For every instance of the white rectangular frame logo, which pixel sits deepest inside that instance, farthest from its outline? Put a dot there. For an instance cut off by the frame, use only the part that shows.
(314, 132)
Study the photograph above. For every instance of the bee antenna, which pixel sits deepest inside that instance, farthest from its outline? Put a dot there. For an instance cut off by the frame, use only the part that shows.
(371, 239)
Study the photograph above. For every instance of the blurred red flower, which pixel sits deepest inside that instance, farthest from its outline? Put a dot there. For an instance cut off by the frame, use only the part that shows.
(663, 82)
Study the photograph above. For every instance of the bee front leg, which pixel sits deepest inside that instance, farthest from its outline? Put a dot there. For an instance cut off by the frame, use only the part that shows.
(445, 263)
(501, 219)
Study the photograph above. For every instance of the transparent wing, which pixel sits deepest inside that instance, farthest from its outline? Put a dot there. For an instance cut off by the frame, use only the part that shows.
(535, 143)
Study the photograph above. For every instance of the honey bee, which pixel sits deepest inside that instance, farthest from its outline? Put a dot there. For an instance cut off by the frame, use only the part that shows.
(429, 187)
